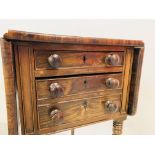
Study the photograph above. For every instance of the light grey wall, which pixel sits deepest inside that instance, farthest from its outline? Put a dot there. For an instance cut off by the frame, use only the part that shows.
(144, 121)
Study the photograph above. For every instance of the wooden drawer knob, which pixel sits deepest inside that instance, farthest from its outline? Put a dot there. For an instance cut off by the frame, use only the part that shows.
(55, 60)
(112, 83)
(56, 114)
(56, 90)
(112, 59)
(111, 107)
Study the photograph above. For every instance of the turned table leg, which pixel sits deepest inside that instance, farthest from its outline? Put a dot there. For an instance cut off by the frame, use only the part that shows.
(72, 131)
(117, 127)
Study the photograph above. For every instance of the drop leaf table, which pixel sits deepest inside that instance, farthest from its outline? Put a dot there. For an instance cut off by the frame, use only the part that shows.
(55, 83)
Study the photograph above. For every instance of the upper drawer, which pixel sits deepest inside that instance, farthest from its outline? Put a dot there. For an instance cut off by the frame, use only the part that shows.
(55, 63)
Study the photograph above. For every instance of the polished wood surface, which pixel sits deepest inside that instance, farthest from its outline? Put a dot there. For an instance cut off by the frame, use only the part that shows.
(78, 63)
(10, 85)
(135, 80)
(29, 36)
(76, 111)
(25, 85)
(64, 82)
(74, 85)
(78, 59)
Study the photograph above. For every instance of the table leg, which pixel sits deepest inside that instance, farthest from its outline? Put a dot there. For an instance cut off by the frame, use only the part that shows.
(72, 131)
(117, 127)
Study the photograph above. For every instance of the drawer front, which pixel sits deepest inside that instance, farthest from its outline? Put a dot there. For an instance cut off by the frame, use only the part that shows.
(68, 113)
(73, 62)
(61, 87)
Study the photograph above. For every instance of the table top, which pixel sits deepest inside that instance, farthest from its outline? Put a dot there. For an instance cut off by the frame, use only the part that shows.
(52, 38)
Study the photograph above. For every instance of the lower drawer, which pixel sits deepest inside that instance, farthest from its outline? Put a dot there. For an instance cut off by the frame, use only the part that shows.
(67, 114)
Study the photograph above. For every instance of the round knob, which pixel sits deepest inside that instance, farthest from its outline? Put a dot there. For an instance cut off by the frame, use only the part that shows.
(112, 59)
(56, 90)
(111, 107)
(112, 83)
(56, 114)
(54, 60)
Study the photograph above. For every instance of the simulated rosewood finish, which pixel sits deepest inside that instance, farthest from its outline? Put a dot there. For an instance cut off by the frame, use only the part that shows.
(40, 37)
(10, 86)
(76, 62)
(79, 59)
(62, 87)
(76, 111)
(54, 61)
(135, 80)
(64, 82)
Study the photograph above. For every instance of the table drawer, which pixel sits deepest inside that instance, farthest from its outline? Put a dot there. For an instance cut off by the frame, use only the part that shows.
(61, 87)
(57, 63)
(68, 113)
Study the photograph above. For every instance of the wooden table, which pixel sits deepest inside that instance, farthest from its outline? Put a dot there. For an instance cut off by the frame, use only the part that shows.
(57, 83)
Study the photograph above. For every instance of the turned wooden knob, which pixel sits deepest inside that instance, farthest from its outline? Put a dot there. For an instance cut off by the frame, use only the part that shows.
(54, 60)
(56, 114)
(112, 59)
(112, 83)
(56, 90)
(111, 107)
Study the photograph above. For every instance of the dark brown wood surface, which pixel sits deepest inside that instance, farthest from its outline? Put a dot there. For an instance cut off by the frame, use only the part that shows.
(26, 89)
(106, 93)
(78, 59)
(75, 111)
(82, 76)
(78, 63)
(76, 85)
(135, 80)
(10, 86)
(76, 71)
(29, 36)
(26, 81)
(83, 123)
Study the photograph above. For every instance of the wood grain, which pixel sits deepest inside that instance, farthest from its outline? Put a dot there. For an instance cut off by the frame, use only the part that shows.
(77, 63)
(46, 47)
(76, 71)
(135, 80)
(81, 75)
(76, 85)
(127, 78)
(25, 78)
(10, 86)
(83, 123)
(93, 94)
(29, 36)
(75, 111)
(78, 59)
